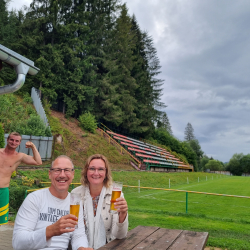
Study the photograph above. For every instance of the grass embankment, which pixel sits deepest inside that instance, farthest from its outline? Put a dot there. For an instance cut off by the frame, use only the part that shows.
(226, 219)
(79, 144)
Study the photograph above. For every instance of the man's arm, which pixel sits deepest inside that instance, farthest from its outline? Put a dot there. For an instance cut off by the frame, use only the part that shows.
(24, 236)
(36, 159)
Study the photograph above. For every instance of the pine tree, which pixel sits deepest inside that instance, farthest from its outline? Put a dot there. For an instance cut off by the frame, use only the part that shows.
(195, 145)
(144, 109)
(189, 132)
(9, 37)
(118, 96)
(100, 43)
(154, 71)
(2, 142)
(3, 22)
(164, 123)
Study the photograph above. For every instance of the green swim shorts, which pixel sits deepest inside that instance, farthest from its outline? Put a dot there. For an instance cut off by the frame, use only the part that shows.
(4, 205)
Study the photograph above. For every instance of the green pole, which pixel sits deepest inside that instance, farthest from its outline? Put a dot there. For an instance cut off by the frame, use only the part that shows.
(26, 193)
(186, 202)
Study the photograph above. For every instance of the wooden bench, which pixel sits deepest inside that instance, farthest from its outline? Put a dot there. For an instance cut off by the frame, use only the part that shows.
(155, 238)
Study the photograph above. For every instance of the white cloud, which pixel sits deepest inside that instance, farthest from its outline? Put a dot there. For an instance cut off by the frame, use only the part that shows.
(18, 4)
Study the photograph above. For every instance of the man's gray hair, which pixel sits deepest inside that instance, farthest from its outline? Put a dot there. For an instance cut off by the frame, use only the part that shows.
(62, 156)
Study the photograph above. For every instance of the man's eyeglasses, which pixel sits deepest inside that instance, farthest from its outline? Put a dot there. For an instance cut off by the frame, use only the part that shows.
(67, 171)
(100, 170)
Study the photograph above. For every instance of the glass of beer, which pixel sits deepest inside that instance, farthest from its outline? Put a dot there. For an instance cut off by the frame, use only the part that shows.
(75, 205)
(116, 193)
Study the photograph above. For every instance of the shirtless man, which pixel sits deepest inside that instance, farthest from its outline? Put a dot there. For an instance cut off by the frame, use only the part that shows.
(9, 161)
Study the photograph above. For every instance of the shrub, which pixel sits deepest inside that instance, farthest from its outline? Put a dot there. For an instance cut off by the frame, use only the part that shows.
(17, 194)
(48, 132)
(13, 174)
(88, 122)
(2, 143)
(30, 110)
(27, 98)
(33, 126)
(27, 181)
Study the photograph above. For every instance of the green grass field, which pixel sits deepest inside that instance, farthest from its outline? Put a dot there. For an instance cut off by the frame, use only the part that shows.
(227, 219)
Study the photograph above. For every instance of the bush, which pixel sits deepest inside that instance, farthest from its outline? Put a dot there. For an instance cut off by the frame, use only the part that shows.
(17, 194)
(48, 132)
(27, 98)
(2, 143)
(13, 174)
(26, 181)
(88, 122)
(30, 110)
(33, 126)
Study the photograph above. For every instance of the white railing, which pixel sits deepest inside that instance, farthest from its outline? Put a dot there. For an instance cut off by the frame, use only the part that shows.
(38, 106)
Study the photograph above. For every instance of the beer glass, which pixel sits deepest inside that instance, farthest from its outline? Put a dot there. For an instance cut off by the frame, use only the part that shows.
(116, 193)
(75, 205)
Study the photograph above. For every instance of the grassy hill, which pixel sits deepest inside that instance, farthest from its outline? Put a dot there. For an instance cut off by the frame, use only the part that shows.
(79, 144)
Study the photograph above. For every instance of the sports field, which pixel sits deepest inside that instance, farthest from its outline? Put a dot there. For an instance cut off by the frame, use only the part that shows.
(227, 219)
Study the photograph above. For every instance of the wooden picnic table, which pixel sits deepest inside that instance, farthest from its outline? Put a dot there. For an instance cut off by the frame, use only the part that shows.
(155, 238)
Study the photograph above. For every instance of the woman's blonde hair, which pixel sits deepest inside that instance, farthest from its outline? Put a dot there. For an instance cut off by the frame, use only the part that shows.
(108, 179)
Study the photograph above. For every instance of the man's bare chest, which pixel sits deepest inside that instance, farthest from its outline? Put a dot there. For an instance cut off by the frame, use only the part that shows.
(9, 162)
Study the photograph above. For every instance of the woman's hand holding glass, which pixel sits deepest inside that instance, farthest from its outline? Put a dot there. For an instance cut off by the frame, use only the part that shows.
(122, 208)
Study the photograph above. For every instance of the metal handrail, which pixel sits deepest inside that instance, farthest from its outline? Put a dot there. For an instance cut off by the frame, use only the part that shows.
(122, 148)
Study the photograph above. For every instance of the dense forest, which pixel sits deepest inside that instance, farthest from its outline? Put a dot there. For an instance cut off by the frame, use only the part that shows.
(93, 57)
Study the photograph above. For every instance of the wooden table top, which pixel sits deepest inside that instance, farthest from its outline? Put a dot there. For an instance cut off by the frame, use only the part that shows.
(155, 238)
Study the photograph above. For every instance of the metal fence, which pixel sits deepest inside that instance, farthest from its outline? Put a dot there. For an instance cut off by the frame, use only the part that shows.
(151, 188)
(43, 145)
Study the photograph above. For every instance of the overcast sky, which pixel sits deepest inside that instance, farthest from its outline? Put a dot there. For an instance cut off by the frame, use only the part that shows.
(204, 50)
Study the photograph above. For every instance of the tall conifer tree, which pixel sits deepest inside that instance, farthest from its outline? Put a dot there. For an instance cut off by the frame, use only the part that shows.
(189, 132)
(54, 42)
(9, 37)
(144, 109)
(119, 100)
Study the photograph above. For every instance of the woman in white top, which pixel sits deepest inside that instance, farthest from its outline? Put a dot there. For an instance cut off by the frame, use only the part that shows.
(101, 226)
